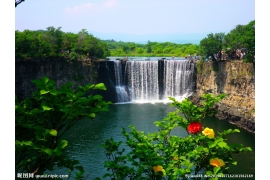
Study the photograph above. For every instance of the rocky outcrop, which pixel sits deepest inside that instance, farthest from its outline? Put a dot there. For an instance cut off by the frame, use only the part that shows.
(58, 70)
(237, 80)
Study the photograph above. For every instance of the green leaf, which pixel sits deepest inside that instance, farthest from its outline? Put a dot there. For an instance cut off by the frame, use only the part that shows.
(228, 131)
(27, 143)
(48, 151)
(54, 92)
(216, 169)
(236, 130)
(46, 108)
(92, 115)
(222, 144)
(97, 97)
(234, 163)
(63, 144)
(58, 150)
(100, 86)
(17, 142)
(212, 144)
(53, 132)
(45, 79)
(43, 91)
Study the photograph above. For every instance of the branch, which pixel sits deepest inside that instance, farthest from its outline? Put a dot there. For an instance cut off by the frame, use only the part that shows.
(17, 2)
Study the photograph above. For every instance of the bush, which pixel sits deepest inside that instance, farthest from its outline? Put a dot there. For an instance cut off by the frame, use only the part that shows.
(199, 66)
(248, 58)
(42, 119)
(160, 155)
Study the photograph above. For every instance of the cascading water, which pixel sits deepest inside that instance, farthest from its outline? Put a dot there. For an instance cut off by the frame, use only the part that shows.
(143, 82)
(121, 90)
(178, 78)
(142, 78)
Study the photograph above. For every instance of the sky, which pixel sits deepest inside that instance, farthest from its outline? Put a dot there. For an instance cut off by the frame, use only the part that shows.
(136, 20)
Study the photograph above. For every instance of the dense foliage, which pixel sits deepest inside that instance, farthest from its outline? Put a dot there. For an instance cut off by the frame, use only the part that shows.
(242, 37)
(54, 43)
(42, 119)
(151, 49)
(161, 155)
(212, 44)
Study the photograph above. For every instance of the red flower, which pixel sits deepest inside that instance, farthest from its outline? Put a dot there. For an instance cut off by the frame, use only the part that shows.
(194, 127)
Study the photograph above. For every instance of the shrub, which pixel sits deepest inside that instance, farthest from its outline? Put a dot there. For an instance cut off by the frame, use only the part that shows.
(199, 66)
(42, 119)
(160, 155)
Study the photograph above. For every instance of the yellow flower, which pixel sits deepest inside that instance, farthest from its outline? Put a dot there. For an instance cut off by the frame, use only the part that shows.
(159, 168)
(217, 162)
(209, 132)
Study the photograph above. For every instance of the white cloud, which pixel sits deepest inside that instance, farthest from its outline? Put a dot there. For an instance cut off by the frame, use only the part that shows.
(79, 9)
(110, 3)
(91, 7)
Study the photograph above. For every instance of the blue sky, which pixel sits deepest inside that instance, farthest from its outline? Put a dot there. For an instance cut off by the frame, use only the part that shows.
(136, 20)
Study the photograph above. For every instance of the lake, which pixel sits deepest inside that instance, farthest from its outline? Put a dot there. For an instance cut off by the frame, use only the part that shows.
(87, 135)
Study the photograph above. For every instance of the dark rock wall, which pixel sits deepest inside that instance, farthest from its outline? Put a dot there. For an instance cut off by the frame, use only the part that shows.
(106, 75)
(58, 70)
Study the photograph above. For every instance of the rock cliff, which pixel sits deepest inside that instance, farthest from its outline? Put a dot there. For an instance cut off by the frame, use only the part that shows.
(58, 70)
(237, 80)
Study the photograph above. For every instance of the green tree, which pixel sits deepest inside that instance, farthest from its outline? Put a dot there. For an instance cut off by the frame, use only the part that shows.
(44, 45)
(82, 35)
(42, 119)
(191, 49)
(139, 50)
(69, 41)
(242, 36)
(28, 44)
(55, 38)
(132, 46)
(148, 47)
(91, 46)
(212, 44)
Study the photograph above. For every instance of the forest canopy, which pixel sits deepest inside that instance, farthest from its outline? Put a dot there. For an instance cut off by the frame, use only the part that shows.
(53, 42)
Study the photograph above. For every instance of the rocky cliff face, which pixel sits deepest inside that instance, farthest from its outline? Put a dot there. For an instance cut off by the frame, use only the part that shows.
(237, 80)
(62, 71)
(58, 70)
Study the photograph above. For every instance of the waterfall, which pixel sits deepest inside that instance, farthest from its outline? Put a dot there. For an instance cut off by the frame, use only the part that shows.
(122, 91)
(142, 78)
(178, 78)
(144, 81)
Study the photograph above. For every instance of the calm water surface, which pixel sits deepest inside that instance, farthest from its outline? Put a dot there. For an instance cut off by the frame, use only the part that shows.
(87, 135)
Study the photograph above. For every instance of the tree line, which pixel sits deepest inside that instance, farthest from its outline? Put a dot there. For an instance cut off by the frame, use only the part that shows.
(53, 42)
(151, 49)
